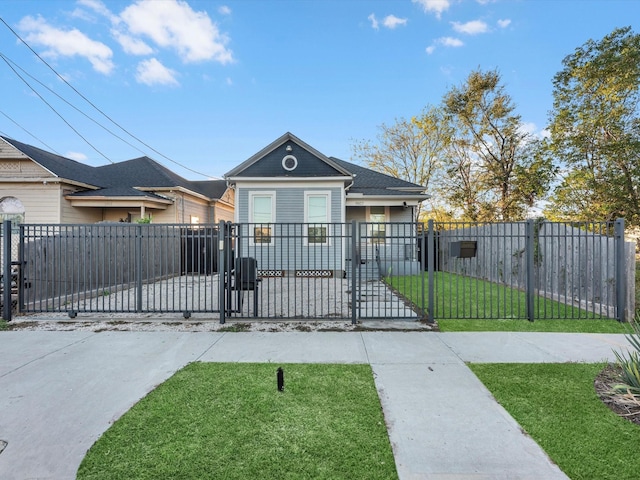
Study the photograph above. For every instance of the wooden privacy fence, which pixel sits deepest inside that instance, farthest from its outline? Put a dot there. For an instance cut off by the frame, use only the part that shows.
(354, 271)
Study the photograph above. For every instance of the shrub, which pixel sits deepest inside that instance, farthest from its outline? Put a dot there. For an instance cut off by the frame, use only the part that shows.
(630, 363)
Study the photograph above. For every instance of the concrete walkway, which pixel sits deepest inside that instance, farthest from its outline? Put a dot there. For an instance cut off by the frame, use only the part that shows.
(59, 391)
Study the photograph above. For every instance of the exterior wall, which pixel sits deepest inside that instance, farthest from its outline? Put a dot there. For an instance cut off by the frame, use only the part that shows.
(223, 213)
(11, 167)
(290, 201)
(288, 249)
(41, 202)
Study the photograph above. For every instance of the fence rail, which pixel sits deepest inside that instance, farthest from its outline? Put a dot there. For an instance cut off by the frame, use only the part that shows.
(352, 271)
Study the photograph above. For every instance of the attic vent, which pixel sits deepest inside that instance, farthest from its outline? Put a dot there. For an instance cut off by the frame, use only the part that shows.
(289, 163)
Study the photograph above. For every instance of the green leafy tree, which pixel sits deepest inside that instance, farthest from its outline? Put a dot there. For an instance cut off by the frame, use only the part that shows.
(409, 149)
(495, 168)
(595, 130)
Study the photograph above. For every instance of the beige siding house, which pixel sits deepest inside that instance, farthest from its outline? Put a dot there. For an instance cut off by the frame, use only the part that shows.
(37, 186)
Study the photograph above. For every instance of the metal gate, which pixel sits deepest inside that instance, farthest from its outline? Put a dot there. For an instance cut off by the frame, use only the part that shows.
(350, 271)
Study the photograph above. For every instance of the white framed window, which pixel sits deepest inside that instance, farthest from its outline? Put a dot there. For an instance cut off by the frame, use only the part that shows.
(262, 214)
(378, 218)
(317, 215)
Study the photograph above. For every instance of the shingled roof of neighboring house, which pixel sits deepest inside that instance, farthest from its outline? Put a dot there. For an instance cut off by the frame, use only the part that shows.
(58, 165)
(122, 179)
(370, 182)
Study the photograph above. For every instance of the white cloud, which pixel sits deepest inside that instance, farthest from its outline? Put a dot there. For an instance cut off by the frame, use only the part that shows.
(374, 21)
(98, 7)
(224, 10)
(80, 157)
(152, 72)
(445, 42)
(434, 6)
(131, 45)
(173, 24)
(473, 27)
(391, 21)
(504, 23)
(450, 42)
(67, 43)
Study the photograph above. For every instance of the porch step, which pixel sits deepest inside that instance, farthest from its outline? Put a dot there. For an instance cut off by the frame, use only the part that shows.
(368, 271)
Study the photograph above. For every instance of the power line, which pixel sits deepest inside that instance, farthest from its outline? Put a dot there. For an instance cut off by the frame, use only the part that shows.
(27, 131)
(7, 59)
(96, 107)
(54, 110)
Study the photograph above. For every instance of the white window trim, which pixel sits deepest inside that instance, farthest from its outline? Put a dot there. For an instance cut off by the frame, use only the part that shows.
(262, 193)
(316, 193)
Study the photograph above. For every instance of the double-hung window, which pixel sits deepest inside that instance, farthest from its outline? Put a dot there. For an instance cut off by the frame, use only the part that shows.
(262, 213)
(317, 214)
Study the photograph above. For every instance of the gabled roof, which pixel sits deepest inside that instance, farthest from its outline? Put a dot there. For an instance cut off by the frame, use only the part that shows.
(123, 179)
(267, 162)
(57, 165)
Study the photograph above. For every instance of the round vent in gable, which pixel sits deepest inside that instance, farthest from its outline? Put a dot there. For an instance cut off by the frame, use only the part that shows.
(289, 163)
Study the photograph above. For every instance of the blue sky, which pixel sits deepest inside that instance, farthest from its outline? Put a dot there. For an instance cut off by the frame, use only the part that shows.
(206, 84)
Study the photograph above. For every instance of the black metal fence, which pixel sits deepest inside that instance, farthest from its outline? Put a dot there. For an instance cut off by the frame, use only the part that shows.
(352, 271)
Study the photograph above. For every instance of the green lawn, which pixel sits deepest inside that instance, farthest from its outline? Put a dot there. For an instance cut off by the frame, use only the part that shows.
(469, 304)
(557, 405)
(213, 420)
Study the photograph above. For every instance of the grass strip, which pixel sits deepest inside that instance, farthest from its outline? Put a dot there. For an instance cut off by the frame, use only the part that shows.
(558, 406)
(522, 325)
(470, 304)
(221, 420)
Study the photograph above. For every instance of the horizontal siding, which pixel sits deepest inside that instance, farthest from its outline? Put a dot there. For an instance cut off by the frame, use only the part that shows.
(288, 247)
(41, 202)
(9, 151)
(289, 203)
(223, 214)
(70, 214)
(22, 168)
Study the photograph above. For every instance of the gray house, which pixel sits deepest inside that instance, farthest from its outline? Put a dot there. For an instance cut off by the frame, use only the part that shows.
(296, 206)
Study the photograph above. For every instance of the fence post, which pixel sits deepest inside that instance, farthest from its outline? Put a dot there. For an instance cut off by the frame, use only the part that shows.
(530, 245)
(222, 270)
(6, 269)
(139, 268)
(621, 278)
(354, 272)
(431, 267)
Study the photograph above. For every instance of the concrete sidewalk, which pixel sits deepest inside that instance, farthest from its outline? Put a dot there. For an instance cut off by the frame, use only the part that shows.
(59, 391)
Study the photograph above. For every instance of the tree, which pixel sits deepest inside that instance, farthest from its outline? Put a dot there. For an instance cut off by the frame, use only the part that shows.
(595, 130)
(407, 149)
(496, 170)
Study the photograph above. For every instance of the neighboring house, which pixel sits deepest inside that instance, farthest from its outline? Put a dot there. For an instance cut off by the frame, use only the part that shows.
(37, 186)
(290, 182)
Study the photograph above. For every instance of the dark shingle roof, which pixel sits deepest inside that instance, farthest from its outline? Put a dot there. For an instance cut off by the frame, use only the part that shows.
(210, 188)
(370, 182)
(118, 179)
(59, 166)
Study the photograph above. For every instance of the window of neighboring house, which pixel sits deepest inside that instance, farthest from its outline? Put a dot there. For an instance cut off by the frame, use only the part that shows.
(317, 214)
(12, 209)
(262, 215)
(377, 225)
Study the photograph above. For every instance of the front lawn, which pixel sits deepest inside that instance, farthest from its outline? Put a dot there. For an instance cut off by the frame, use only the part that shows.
(222, 420)
(470, 304)
(557, 405)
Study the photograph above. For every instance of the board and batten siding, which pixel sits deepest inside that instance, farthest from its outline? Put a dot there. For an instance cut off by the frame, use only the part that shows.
(288, 249)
